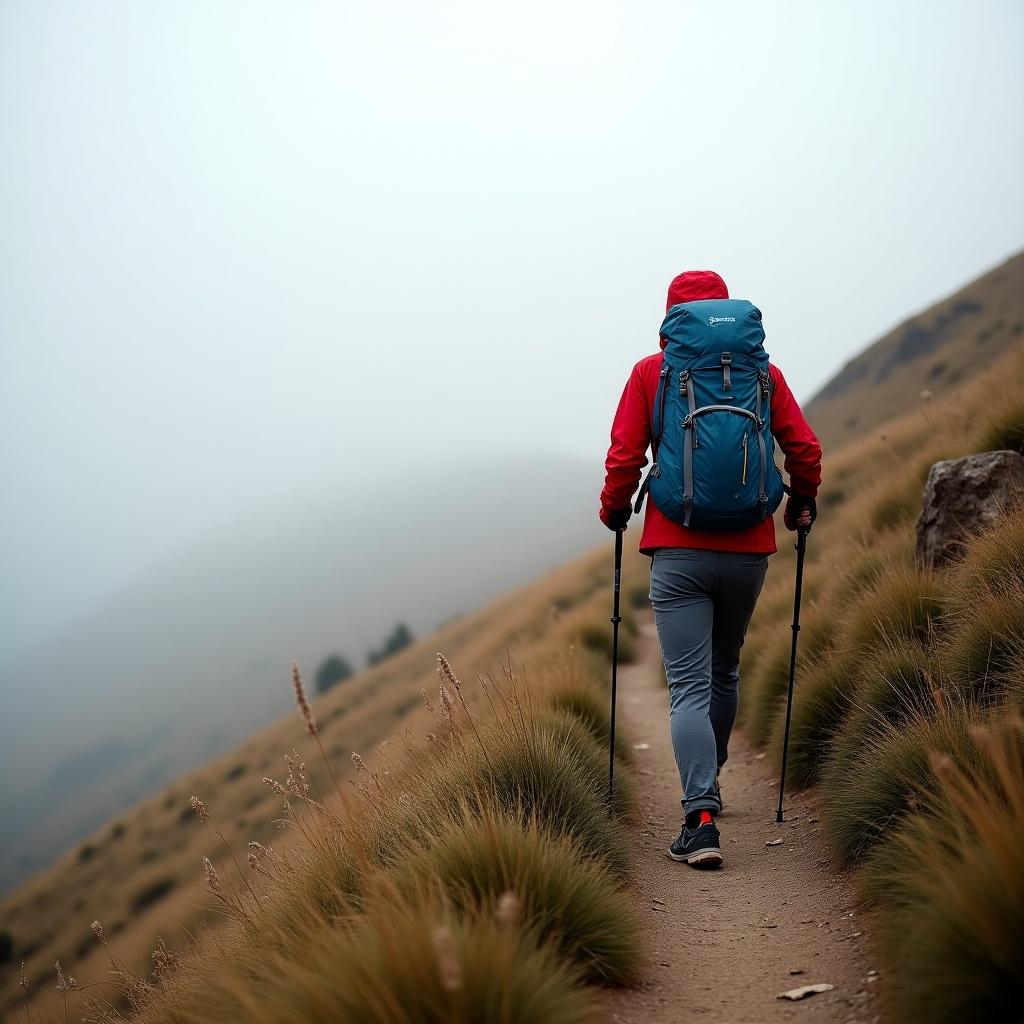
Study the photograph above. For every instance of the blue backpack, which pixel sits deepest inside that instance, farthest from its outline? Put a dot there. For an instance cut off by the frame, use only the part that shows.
(713, 452)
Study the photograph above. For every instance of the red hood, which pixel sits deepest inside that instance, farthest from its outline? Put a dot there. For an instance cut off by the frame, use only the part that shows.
(692, 286)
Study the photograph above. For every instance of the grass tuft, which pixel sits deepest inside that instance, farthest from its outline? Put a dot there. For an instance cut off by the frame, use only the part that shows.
(954, 880)
(576, 906)
(902, 603)
(1002, 428)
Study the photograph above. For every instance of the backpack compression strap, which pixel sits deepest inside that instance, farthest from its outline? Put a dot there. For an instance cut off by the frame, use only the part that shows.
(657, 429)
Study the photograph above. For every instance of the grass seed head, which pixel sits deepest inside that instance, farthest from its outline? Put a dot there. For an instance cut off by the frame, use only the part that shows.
(302, 702)
(446, 704)
(508, 908)
(64, 985)
(444, 670)
(199, 807)
(275, 785)
(212, 878)
(447, 959)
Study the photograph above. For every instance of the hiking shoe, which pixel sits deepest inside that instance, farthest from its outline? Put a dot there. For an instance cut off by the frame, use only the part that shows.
(699, 847)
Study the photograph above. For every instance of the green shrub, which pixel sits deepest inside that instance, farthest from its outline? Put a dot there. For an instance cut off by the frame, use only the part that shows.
(950, 929)
(574, 905)
(333, 669)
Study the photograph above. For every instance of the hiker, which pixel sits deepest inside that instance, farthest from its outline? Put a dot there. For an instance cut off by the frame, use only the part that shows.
(708, 405)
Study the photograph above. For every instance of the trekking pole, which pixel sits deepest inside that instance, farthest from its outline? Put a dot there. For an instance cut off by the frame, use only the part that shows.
(616, 619)
(801, 547)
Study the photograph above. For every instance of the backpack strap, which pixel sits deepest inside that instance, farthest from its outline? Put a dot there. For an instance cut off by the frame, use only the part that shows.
(657, 429)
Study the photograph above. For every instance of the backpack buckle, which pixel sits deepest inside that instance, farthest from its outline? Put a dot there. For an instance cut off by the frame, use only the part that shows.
(726, 376)
(684, 376)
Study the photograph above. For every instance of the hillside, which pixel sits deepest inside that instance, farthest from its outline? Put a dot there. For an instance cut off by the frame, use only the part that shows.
(934, 350)
(140, 871)
(188, 662)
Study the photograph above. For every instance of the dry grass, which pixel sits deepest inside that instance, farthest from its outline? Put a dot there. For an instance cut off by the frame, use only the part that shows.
(163, 839)
(470, 870)
(917, 662)
(953, 884)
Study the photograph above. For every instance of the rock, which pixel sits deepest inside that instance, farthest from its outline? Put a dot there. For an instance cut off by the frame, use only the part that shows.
(962, 496)
(804, 991)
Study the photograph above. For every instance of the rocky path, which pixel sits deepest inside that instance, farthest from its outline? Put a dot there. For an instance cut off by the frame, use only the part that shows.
(723, 944)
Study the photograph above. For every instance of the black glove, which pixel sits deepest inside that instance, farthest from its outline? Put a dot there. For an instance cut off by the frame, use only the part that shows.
(616, 518)
(794, 508)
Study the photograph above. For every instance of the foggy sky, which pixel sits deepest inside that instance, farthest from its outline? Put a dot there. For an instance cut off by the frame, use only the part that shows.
(248, 249)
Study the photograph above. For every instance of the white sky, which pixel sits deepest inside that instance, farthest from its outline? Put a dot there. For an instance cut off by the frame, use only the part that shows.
(250, 249)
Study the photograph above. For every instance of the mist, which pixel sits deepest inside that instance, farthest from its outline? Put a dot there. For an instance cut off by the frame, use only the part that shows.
(259, 261)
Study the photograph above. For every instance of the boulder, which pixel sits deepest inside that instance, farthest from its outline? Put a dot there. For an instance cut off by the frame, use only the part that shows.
(963, 496)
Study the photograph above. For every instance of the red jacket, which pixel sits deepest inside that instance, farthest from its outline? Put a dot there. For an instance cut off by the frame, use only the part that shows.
(631, 437)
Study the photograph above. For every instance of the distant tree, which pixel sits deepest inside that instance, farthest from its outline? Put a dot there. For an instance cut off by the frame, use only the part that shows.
(6, 948)
(333, 669)
(400, 636)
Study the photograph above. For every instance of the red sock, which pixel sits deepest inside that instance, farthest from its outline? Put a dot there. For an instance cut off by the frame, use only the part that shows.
(705, 819)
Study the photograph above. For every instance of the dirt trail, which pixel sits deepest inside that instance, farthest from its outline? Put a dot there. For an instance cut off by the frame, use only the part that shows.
(723, 944)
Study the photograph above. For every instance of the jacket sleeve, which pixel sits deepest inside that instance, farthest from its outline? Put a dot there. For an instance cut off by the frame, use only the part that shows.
(631, 437)
(796, 439)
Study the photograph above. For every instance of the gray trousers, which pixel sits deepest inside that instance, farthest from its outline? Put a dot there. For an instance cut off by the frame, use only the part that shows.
(702, 603)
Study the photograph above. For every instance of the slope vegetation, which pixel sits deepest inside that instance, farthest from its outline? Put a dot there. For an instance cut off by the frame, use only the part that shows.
(908, 708)
(142, 875)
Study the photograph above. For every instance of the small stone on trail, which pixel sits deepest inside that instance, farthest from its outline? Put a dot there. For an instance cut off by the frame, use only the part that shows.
(759, 757)
(641, 746)
(797, 970)
(773, 842)
(804, 991)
